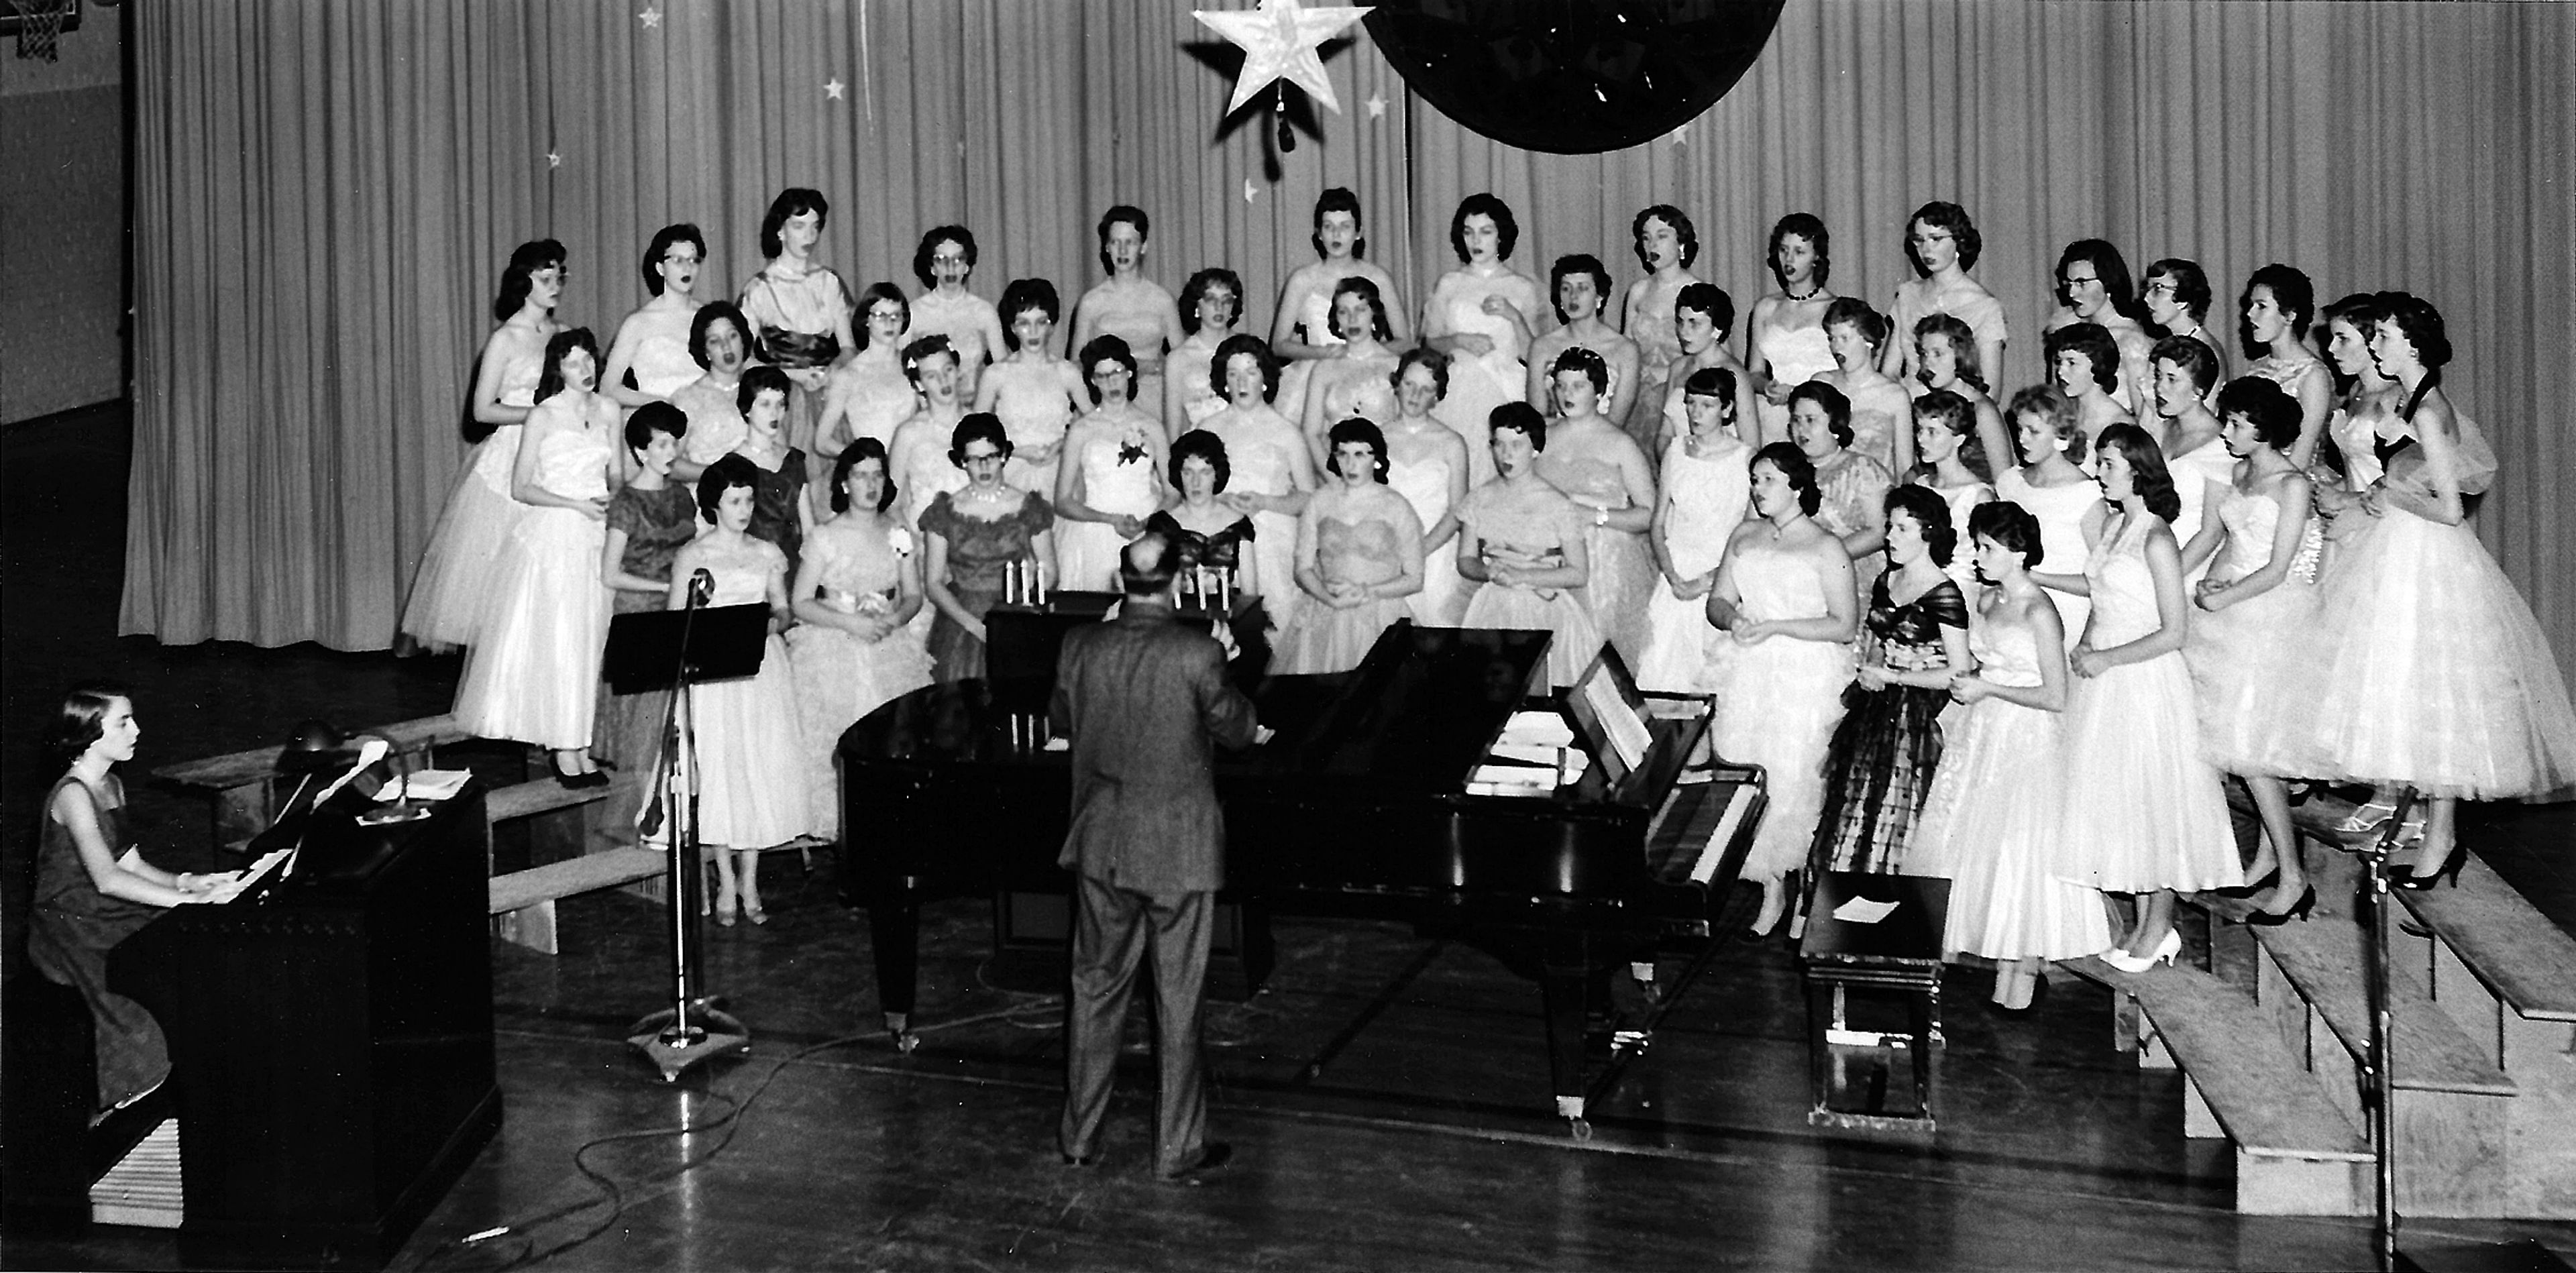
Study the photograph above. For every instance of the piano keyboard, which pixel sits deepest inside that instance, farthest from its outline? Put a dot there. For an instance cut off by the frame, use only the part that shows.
(1690, 835)
(249, 876)
(142, 1189)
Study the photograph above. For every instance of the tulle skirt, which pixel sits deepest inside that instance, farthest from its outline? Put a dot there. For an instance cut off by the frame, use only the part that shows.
(2437, 674)
(1624, 579)
(1443, 599)
(445, 608)
(1990, 826)
(1675, 660)
(840, 678)
(1323, 638)
(2141, 810)
(1877, 773)
(532, 673)
(1495, 606)
(2253, 669)
(753, 784)
(1778, 701)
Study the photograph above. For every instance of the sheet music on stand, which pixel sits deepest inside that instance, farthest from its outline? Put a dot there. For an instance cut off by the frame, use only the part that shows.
(1620, 722)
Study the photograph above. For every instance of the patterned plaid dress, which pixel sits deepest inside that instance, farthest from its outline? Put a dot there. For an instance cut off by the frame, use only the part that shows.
(1889, 741)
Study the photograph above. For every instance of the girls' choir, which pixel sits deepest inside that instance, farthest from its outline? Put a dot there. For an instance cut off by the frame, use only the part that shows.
(2017, 640)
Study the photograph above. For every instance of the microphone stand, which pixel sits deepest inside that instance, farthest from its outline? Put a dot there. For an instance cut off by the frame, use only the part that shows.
(695, 1026)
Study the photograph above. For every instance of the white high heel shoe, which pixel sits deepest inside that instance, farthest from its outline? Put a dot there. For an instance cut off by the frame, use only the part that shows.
(2164, 953)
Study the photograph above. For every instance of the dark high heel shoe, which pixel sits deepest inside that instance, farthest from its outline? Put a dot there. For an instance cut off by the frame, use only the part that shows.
(2450, 870)
(2252, 888)
(2307, 901)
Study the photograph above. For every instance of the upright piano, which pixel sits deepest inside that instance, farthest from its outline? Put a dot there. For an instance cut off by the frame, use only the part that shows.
(330, 1035)
(1362, 803)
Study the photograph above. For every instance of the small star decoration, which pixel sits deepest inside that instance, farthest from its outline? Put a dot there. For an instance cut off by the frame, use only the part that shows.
(1680, 136)
(554, 159)
(651, 18)
(1279, 42)
(1377, 105)
(832, 88)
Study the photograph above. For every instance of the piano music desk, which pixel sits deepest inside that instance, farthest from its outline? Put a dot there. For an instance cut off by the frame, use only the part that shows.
(1899, 955)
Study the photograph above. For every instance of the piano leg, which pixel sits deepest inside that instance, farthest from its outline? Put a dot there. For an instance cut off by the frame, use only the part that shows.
(1565, 979)
(894, 930)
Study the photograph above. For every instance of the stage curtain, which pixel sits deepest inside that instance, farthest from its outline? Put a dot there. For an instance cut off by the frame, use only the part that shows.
(2374, 146)
(326, 192)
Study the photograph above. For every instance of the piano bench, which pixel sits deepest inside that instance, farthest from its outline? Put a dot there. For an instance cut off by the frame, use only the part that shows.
(1896, 955)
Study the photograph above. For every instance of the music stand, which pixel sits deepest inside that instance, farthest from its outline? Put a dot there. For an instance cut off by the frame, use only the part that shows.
(676, 649)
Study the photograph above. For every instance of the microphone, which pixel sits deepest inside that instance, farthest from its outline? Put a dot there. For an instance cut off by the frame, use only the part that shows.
(702, 587)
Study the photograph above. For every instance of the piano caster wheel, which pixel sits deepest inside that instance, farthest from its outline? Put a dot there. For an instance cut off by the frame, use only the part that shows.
(1581, 1128)
(904, 1041)
(1653, 991)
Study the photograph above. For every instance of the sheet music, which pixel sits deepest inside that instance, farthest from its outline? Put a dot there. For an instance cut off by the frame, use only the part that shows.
(1627, 731)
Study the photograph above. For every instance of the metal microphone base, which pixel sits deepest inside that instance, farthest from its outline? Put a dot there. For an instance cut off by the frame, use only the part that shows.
(673, 1048)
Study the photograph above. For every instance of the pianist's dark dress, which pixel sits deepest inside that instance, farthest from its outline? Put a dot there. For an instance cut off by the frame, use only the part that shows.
(69, 933)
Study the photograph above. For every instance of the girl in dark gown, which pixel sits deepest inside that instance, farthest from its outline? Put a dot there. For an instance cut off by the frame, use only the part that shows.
(973, 536)
(781, 512)
(1884, 751)
(93, 889)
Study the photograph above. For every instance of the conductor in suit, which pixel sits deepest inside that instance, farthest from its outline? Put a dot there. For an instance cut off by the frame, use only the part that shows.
(1145, 701)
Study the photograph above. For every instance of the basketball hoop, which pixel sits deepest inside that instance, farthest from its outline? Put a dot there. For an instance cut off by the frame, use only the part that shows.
(40, 26)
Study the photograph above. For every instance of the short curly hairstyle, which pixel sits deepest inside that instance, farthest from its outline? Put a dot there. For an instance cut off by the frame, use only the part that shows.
(1436, 361)
(1808, 226)
(2149, 479)
(868, 300)
(2196, 358)
(1237, 345)
(1682, 229)
(1023, 295)
(710, 314)
(1109, 348)
(1199, 444)
(1856, 312)
(1963, 344)
(2191, 288)
(2270, 408)
(2054, 409)
(1196, 290)
(1837, 408)
(794, 201)
(757, 381)
(1358, 429)
(525, 261)
(1709, 299)
(1364, 287)
(728, 472)
(1507, 228)
(664, 240)
(1950, 217)
(978, 426)
(927, 347)
(1128, 213)
(2292, 294)
(654, 417)
(79, 720)
(1567, 267)
(1930, 512)
(1588, 361)
(2008, 526)
(957, 234)
(2422, 326)
(2095, 343)
(550, 379)
(1520, 416)
(852, 456)
(1339, 199)
(1786, 459)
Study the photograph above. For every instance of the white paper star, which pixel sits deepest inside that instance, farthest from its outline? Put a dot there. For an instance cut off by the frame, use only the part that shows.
(553, 159)
(832, 88)
(1377, 105)
(651, 18)
(1249, 190)
(1680, 136)
(1279, 43)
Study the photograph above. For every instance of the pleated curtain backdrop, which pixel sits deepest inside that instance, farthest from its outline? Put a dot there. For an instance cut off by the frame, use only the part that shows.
(327, 192)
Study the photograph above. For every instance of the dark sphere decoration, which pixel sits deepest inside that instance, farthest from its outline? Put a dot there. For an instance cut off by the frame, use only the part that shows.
(1572, 77)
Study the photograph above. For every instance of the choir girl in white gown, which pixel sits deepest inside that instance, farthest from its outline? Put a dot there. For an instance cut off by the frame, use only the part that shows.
(1705, 489)
(1484, 315)
(652, 346)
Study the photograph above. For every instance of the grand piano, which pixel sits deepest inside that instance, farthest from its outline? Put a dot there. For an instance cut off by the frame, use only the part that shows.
(1364, 802)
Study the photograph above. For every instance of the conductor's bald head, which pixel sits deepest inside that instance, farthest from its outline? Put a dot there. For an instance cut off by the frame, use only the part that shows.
(1147, 567)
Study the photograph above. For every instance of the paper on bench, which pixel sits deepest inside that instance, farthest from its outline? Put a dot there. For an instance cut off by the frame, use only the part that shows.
(426, 784)
(1538, 729)
(1862, 910)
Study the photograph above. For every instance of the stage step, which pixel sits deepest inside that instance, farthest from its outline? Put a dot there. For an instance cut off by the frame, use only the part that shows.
(2296, 1154)
(2513, 949)
(2325, 961)
(142, 1189)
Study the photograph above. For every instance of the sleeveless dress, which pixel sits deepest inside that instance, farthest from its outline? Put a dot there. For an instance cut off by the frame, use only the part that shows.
(753, 756)
(1880, 764)
(773, 508)
(658, 524)
(876, 400)
(977, 550)
(1117, 477)
(70, 929)
(1778, 701)
(2061, 511)
(1854, 488)
(533, 676)
(446, 604)
(1961, 501)
(794, 327)
(1326, 638)
(1480, 383)
(1624, 577)
(2251, 663)
(1876, 414)
(1797, 355)
(1486, 519)
(2436, 674)
(963, 322)
(1990, 821)
(1314, 327)
(661, 363)
(2142, 810)
(1984, 315)
(1371, 397)
(1193, 363)
(1651, 327)
(1443, 599)
(2193, 471)
(839, 678)
(1035, 413)
(1265, 467)
(1704, 501)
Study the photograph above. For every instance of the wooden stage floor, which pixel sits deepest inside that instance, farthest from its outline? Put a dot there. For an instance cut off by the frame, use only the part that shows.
(1387, 1095)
